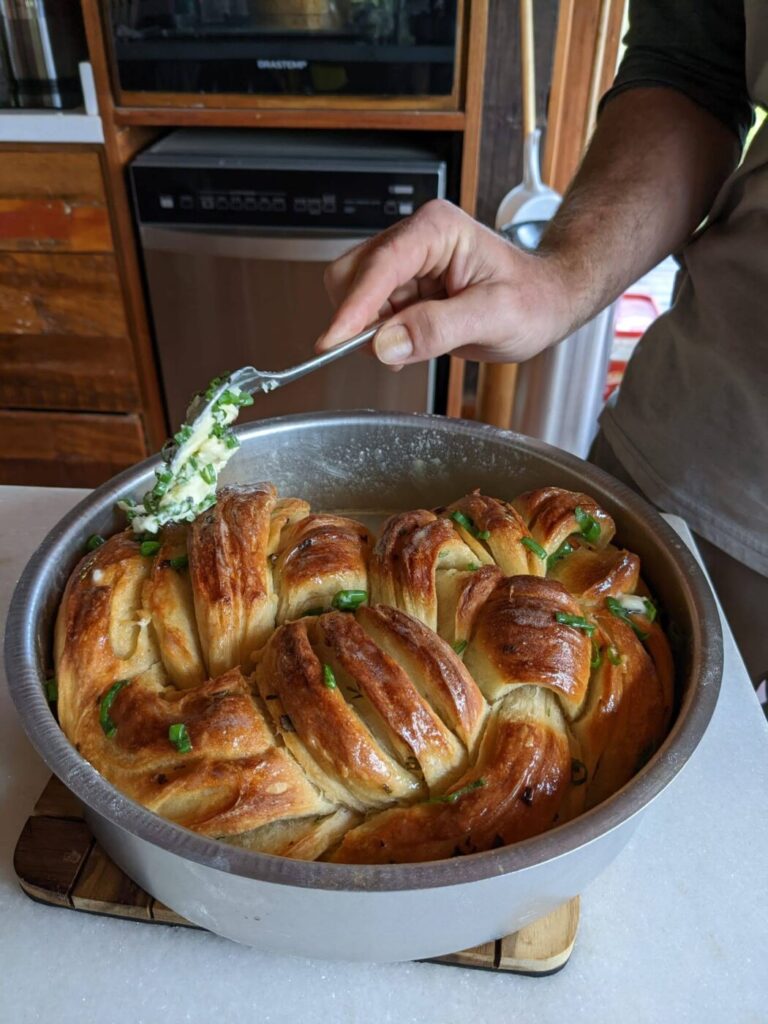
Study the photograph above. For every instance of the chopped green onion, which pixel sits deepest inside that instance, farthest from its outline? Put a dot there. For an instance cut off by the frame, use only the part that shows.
(467, 524)
(94, 541)
(348, 600)
(451, 798)
(464, 521)
(179, 562)
(183, 435)
(105, 706)
(588, 525)
(579, 772)
(313, 611)
(577, 621)
(597, 656)
(208, 473)
(460, 646)
(613, 655)
(537, 549)
(563, 551)
(329, 679)
(179, 737)
(149, 547)
(231, 398)
(51, 690)
(650, 609)
(616, 608)
(472, 566)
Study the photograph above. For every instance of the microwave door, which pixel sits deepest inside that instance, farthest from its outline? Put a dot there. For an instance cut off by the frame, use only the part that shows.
(223, 299)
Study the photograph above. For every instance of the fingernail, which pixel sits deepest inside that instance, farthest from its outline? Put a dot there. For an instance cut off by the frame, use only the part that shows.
(393, 344)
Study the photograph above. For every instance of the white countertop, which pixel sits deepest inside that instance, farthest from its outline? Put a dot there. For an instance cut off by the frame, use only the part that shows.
(675, 930)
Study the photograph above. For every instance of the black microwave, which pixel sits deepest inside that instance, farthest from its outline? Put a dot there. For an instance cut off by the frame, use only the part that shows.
(288, 48)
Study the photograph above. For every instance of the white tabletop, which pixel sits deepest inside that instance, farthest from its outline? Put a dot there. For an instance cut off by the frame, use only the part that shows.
(675, 930)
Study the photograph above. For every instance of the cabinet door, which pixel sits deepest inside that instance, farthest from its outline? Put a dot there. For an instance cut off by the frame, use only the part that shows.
(67, 449)
(63, 334)
(53, 202)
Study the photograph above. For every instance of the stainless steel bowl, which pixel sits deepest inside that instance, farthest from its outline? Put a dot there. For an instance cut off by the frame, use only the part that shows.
(371, 462)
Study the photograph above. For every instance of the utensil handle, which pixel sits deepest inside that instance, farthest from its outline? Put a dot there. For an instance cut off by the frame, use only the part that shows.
(318, 362)
(528, 66)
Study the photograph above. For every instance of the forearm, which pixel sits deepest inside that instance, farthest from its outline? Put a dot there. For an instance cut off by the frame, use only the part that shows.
(648, 179)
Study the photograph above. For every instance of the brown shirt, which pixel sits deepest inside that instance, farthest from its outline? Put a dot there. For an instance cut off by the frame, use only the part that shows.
(691, 420)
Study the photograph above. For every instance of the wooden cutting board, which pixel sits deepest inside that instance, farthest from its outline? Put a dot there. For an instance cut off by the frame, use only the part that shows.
(58, 862)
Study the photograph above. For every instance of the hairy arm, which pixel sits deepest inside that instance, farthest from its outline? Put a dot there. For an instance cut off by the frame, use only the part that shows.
(447, 284)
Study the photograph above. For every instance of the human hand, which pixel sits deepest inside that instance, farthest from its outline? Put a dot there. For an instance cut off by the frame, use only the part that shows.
(445, 283)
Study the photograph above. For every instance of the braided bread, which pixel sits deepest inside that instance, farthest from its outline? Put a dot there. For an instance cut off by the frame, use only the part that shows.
(281, 680)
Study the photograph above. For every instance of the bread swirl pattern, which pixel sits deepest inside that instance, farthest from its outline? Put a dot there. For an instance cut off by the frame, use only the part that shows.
(282, 680)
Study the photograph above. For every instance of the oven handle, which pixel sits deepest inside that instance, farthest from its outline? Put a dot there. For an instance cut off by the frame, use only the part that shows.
(240, 243)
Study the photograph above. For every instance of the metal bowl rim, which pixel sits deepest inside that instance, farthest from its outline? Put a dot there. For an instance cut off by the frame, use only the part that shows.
(103, 799)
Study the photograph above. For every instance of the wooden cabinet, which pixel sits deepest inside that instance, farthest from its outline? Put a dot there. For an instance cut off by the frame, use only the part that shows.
(70, 396)
(67, 449)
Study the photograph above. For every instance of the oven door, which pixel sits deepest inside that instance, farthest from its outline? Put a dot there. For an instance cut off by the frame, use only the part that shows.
(224, 299)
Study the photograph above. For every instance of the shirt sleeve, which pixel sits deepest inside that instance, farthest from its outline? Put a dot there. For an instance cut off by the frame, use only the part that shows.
(694, 46)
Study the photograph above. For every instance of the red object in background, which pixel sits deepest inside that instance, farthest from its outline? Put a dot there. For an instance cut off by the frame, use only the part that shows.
(634, 316)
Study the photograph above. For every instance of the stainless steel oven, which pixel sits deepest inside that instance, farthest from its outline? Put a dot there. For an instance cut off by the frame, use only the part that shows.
(236, 230)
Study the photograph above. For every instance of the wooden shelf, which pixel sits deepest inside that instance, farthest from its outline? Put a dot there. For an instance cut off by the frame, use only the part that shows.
(201, 117)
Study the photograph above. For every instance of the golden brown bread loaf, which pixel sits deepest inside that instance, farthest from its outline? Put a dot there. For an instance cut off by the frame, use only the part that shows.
(278, 679)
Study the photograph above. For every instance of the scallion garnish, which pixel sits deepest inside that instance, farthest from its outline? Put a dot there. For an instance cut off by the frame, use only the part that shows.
(597, 656)
(179, 562)
(650, 609)
(467, 524)
(208, 473)
(577, 621)
(460, 646)
(472, 566)
(149, 547)
(451, 798)
(464, 521)
(313, 611)
(179, 737)
(183, 435)
(563, 551)
(94, 541)
(105, 706)
(616, 608)
(588, 525)
(329, 679)
(537, 549)
(348, 600)
(51, 690)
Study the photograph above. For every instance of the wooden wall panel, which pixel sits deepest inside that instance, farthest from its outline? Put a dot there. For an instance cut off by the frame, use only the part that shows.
(67, 294)
(67, 449)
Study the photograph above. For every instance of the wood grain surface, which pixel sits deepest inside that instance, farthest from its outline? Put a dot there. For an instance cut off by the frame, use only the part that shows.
(57, 861)
(67, 449)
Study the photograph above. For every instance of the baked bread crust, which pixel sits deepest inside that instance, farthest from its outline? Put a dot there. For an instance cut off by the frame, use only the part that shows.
(275, 678)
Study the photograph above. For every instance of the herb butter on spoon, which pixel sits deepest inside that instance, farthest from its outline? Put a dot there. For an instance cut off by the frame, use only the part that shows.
(192, 461)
